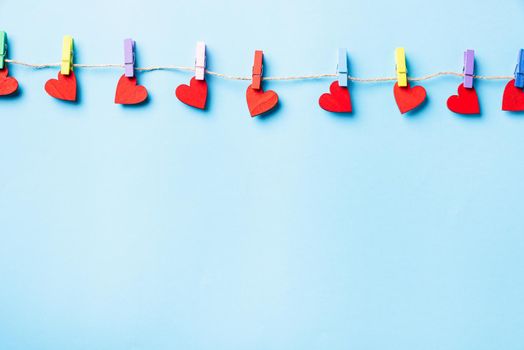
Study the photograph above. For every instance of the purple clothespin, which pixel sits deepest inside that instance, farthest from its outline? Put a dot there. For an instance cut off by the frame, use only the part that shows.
(469, 68)
(129, 57)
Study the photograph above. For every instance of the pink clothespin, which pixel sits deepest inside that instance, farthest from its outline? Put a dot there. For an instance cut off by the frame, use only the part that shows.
(129, 57)
(258, 68)
(200, 61)
(469, 68)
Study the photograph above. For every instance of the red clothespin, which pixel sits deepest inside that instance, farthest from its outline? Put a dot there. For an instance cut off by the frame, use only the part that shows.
(258, 68)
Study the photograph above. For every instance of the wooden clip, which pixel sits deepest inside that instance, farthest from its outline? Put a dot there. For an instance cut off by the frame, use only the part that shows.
(3, 49)
(519, 70)
(200, 61)
(67, 55)
(129, 57)
(469, 68)
(258, 68)
(401, 67)
(342, 68)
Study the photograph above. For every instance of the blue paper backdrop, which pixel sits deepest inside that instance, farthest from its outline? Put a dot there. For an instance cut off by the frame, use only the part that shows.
(163, 227)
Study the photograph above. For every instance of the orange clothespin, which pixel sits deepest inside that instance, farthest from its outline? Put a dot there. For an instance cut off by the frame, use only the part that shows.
(258, 68)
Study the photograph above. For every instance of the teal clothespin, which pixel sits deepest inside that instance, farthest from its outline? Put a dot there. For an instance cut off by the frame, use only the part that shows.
(3, 49)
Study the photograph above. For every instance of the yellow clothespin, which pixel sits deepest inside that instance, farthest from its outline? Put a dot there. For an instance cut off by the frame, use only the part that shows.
(67, 55)
(402, 71)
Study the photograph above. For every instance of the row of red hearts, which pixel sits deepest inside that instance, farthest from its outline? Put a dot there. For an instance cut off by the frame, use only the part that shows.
(259, 102)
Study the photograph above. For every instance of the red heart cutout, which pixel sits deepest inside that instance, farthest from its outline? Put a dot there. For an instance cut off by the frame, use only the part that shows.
(194, 94)
(513, 99)
(408, 98)
(128, 92)
(63, 88)
(466, 102)
(8, 85)
(260, 101)
(338, 100)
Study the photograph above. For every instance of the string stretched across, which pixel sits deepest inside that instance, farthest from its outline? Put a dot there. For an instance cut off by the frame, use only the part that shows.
(236, 77)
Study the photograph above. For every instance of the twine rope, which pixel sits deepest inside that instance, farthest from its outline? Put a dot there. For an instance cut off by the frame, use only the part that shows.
(243, 78)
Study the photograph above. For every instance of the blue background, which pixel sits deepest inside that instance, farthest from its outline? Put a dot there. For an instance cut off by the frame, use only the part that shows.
(164, 227)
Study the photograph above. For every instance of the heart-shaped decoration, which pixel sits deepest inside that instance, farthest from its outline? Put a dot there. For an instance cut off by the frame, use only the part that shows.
(63, 88)
(260, 101)
(8, 85)
(466, 102)
(408, 98)
(338, 100)
(128, 92)
(513, 99)
(194, 94)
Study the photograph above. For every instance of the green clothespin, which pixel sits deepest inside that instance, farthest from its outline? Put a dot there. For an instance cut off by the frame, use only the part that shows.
(3, 49)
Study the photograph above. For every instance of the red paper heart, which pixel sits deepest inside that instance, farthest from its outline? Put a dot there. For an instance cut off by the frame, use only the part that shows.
(63, 88)
(128, 92)
(513, 99)
(260, 101)
(338, 99)
(408, 98)
(194, 94)
(8, 85)
(466, 102)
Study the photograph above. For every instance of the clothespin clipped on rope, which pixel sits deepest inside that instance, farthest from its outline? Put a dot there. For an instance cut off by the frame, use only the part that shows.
(407, 97)
(519, 70)
(128, 92)
(129, 58)
(401, 67)
(469, 68)
(3, 49)
(195, 94)
(342, 67)
(200, 61)
(466, 100)
(338, 99)
(67, 55)
(258, 69)
(64, 88)
(259, 101)
(8, 85)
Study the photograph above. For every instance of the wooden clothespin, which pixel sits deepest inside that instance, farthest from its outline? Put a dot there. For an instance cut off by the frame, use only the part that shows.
(67, 55)
(200, 61)
(469, 68)
(3, 49)
(519, 70)
(401, 67)
(258, 68)
(342, 67)
(129, 57)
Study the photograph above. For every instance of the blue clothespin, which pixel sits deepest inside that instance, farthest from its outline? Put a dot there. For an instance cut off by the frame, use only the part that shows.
(129, 57)
(342, 68)
(519, 70)
(469, 68)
